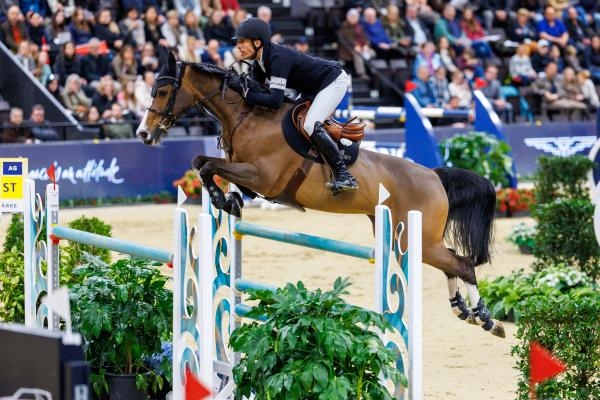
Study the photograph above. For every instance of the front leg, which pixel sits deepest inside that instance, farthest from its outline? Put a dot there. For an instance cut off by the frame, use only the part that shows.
(242, 174)
(207, 173)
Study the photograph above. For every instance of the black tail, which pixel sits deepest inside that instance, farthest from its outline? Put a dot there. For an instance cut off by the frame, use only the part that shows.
(472, 201)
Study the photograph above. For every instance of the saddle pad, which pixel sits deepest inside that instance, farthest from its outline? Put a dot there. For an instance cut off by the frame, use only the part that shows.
(297, 141)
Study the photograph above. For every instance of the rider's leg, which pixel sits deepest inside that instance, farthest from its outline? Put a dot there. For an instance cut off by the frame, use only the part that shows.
(323, 105)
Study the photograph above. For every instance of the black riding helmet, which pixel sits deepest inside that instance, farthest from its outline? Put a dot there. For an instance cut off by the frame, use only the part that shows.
(253, 29)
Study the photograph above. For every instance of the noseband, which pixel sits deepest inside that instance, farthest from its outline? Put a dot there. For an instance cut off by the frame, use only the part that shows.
(168, 116)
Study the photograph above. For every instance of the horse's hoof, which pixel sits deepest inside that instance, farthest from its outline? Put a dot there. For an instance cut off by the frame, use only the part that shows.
(217, 198)
(471, 319)
(233, 204)
(498, 329)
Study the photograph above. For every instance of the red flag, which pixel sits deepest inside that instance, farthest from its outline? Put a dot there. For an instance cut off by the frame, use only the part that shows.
(542, 364)
(194, 390)
(50, 172)
(409, 86)
(480, 83)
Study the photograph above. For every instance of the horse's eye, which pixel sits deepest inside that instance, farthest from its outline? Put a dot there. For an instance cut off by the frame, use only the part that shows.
(161, 93)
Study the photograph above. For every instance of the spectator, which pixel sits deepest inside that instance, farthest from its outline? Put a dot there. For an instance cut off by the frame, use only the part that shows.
(354, 44)
(264, 12)
(447, 54)
(183, 6)
(219, 28)
(15, 131)
(73, 97)
(541, 58)
(396, 31)
(36, 6)
(571, 59)
(24, 56)
(521, 29)
(579, 33)
(80, 27)
(552, 29)
(553, 93)
(460, 90)
(143, 90)
(42, 70)
(36, 30)
(212, 55)
(124, 65)
(190, 52)
(439, 83)
(106, 29)
(473, 30)
(491, 90)
(496, 13)
(558, 5)
(132, 28)
(588, 89)
(148, 58)
(172, 31)
(13, 29)
(117, 127)
(67, 63)
(238, 17)
(40, 130)
(230, 7)
(210, 6)
(105, 96)
(591, 58)
(302, 45)
(381, 43)
(126, 98)
(67, 6)
(94, 65)
(556, 58)
(415, 28)
(58, 32)
(92, 121)
(531, 7)
(191, 26)
(574, 92)
(469, 64)
(520, 68)
(449, 27)
(53, 87)
(152, 27)
(427, 57)
(424, 92)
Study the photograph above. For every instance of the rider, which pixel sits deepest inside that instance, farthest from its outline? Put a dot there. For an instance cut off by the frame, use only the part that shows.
(285, 67)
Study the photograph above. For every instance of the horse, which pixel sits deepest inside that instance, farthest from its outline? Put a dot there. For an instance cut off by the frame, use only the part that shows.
(457, 205)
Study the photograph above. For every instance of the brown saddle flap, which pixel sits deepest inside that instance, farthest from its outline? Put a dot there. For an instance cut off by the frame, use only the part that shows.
(354, 131)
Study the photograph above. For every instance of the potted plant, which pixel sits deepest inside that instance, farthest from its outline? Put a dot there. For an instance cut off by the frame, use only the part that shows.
(192, 185)
(523, 236)
(312, 345)
(123, 311)
(510, 201)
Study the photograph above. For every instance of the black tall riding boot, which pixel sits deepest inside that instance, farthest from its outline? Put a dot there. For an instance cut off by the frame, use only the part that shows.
(343, 180)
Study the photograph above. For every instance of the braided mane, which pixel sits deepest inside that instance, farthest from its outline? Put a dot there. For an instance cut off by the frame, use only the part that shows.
(210, 69)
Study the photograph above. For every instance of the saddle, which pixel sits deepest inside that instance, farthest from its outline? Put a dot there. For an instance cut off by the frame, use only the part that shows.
(353, 131)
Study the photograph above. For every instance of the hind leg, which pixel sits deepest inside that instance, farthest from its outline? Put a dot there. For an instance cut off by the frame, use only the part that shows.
(455, 266)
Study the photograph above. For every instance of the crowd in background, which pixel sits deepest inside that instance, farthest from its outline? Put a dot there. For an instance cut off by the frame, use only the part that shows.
(99, 58)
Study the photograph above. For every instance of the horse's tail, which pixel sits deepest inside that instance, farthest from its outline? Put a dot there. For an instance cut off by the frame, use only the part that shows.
(472, 202)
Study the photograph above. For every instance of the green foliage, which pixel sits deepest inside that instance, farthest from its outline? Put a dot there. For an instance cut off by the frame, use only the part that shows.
(312, 345)
(14, 234)
(123, 310)
(481, 153)
(72, 253)
(12, 287)
(505, 293)
(566, 235)
(522, 235)
(562, 177)
(568, 326)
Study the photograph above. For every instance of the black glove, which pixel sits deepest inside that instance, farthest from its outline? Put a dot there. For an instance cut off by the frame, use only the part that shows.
(236, 83)
(256, 86)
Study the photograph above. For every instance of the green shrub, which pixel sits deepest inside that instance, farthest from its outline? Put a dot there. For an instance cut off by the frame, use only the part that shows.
(14, 234)
(568, 327)
(71, 254)
(312, 345)
(12, 286)
(566, 235)
(562, 177)
(481, 153)
(522, 235)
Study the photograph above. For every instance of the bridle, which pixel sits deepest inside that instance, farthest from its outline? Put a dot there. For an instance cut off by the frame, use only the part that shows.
(168, 116)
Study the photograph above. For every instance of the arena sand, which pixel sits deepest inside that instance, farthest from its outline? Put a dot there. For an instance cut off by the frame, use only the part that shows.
(460, 361)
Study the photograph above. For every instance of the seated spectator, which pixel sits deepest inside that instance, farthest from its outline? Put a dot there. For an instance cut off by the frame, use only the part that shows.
(143, 91)
(191, 26)
(219, 28)
(211, 54)
(127, 101)
(191, 51)
(588, 89)
(116, 127)
(427, 57)
(591, 8)
(15, 131)
(13, 29)
(521, 29)
(172, 31)
(415, 28)
(238, 17)
(380, 42)
(556, 57)
(94, 65)
(183, 6)
(460, 90)
(58, 32)
(105, 96)
(67, 6)
(579, 34)
(53, 87)
(263, 12)
(39, 126)
(152, 27)
(67, 63)
(73, 97)
(24, 56)
(553, 92)
(395, 30)
(473, 30)
(92, 120)
(447, 54)
(520, 68)
(80, 27)
(107, 29)
(541, 57)
(36, 30)
(449, 27)
(354, 44)
(439, 83)
(496, 13)
(424, 92)
(42, 70)
(591, 59)
(558, 5)
(132, 28)
(491, 91)
(124, 65)
(230, 7)
(573, 90)
(148, 58)
(571, 58)
(552, 28)
(469, 64)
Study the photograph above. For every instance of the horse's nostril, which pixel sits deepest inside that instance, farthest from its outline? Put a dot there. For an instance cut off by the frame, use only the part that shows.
(143, 134)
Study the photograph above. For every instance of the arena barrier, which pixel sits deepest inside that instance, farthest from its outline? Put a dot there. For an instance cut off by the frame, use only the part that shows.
(213, 296)
(401, 307)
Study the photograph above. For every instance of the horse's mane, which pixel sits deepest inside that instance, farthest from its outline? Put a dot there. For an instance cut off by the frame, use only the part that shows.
(210, 69)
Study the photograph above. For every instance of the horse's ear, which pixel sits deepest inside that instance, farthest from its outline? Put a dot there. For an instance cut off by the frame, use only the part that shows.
(163, 55)
(172, 61)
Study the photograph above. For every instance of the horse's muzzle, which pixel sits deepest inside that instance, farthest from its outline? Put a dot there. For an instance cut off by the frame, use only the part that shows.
(146, 137)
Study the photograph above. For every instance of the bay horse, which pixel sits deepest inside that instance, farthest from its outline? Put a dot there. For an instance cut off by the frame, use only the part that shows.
(456, 204)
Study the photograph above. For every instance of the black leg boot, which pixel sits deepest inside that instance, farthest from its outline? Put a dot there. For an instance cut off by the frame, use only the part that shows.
(343, 180)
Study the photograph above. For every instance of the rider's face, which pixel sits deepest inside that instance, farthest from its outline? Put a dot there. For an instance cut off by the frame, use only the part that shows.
(245, 48)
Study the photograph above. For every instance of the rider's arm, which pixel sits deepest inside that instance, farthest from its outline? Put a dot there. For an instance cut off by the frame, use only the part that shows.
(272, 98)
